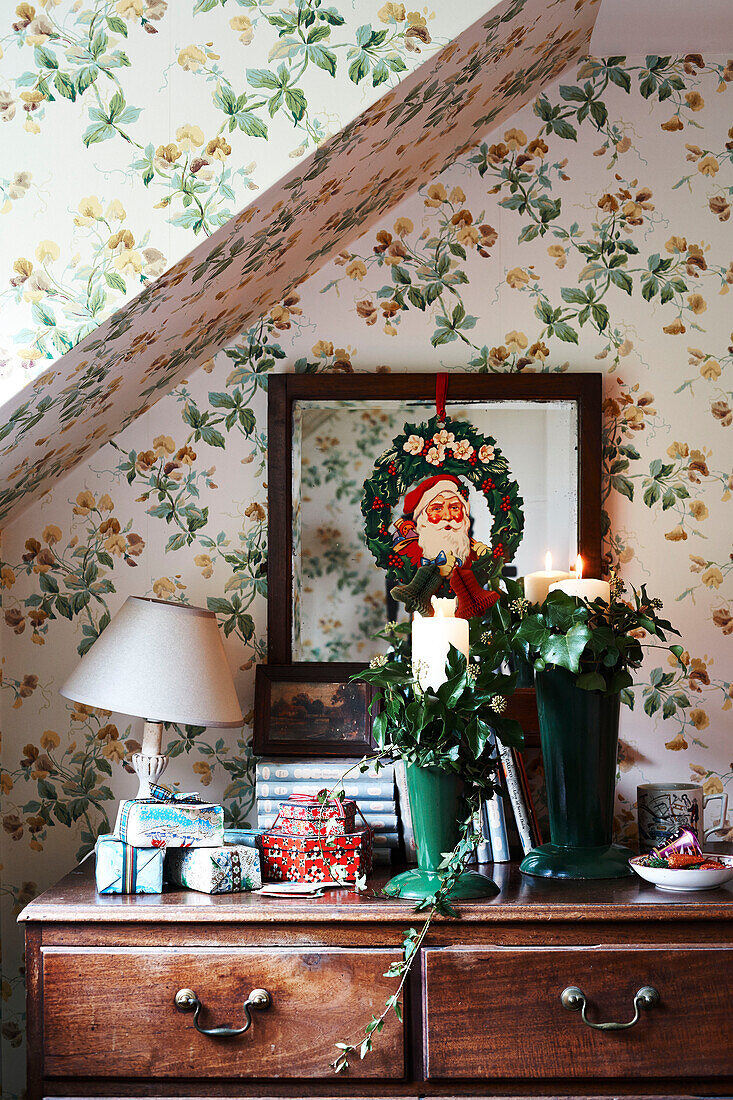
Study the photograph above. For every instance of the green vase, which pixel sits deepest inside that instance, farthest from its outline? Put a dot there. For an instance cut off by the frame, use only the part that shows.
(434, 803)
(579, 736)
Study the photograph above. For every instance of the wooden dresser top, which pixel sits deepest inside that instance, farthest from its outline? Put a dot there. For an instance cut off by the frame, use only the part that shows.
(74, 898)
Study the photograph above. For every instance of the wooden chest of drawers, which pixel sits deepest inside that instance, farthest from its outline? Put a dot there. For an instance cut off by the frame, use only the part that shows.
(483, 1014)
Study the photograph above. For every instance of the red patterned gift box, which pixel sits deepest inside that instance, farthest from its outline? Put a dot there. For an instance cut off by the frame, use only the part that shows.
(340, 857)
(304, 815)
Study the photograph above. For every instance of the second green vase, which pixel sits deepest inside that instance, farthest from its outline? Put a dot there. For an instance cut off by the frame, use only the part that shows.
(434, 804)
(579, 736)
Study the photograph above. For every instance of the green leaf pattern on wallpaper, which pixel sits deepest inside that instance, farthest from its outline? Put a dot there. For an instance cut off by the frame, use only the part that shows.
(573, 239)
(197, 171)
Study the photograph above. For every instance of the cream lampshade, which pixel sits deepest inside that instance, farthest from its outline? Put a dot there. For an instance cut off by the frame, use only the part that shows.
(161, 661)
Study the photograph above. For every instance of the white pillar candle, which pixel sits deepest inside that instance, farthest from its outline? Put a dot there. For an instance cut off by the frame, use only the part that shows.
(537, 585)
(590, 589)
(431, 640)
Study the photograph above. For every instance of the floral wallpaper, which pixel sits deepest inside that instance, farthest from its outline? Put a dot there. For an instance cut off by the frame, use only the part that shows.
(109, 285)
(587, 231)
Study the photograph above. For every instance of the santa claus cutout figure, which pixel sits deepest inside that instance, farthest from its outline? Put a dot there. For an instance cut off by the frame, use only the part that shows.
(435, 528)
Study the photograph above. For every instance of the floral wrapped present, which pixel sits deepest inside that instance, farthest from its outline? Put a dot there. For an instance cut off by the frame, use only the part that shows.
(226, 870)
(340, 857)
(124, 869)
(306, 815)
(170, 820)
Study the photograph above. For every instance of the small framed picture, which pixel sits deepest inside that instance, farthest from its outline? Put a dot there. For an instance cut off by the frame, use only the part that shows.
(311, 710)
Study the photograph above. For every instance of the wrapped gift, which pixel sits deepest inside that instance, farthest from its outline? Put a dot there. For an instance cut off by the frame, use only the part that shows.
(123, 869)
(337, 858)
(226, 870)
(250, 838)
(170, 820)
(304, 815)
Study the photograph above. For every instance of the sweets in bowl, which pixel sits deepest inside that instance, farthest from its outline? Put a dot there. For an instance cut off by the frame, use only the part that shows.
(684, 870)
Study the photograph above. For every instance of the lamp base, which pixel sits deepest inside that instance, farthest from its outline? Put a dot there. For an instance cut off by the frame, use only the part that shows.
(149, 770)
(552, 861)
(417, 885)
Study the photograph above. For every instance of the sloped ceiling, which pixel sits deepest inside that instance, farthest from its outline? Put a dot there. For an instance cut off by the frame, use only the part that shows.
(201, 303)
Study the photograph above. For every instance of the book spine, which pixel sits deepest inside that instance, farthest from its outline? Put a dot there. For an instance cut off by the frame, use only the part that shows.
(382, 856)
(370, 789)
(403, 802)
(514, 790)
(307, 771)
(528, 801)
(494, 814)
(386, 840)
(484, 849)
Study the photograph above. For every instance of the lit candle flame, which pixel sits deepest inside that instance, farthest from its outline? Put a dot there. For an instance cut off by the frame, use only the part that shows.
(548, 561)
(578, 568)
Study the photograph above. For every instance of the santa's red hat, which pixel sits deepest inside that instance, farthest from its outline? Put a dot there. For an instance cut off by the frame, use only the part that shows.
(418, 498)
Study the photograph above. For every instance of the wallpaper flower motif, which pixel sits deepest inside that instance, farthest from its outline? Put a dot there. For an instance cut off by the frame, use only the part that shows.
(74, 298)
(604, 251)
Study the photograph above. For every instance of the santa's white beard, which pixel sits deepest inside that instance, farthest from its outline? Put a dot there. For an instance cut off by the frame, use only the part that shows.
(449, 537)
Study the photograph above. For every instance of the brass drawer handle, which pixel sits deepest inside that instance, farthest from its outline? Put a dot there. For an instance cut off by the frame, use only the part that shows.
(574, 999)
(187, 1001)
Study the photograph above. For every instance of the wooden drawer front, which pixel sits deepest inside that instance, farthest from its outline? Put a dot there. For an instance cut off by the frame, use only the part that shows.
(497, 1012)
(111, 1013)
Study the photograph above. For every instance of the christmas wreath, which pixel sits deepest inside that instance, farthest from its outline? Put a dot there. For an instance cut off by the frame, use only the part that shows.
(437, 453)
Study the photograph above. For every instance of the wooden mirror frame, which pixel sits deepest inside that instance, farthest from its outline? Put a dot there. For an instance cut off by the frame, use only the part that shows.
(284, 389)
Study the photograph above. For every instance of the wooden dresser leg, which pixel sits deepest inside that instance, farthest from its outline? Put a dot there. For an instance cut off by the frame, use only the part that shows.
(34, 1011)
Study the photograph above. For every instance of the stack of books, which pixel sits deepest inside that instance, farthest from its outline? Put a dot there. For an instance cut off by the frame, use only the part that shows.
(514, 801)
(373, 792)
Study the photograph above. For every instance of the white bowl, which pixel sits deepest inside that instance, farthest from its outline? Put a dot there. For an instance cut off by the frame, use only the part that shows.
(682, 878)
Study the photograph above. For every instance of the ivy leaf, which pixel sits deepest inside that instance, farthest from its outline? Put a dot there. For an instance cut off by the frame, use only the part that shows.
(591, 681)
(566, 650)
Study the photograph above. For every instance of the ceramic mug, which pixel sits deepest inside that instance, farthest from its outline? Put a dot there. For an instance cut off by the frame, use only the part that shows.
(663, 807)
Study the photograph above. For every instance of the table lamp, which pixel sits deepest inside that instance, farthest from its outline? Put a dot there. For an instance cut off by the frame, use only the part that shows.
(161, 661)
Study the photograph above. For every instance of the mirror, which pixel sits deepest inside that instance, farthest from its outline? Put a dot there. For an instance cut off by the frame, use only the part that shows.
(326, 595)
(340, 596)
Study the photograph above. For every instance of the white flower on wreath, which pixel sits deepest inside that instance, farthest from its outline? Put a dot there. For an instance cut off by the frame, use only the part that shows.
(444, 439)
(413, 445)
(462, 449)
(435, 456)
(486, 453)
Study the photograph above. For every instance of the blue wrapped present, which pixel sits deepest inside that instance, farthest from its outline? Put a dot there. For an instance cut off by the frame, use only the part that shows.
(251, 838)
(124, 869)
(170, 820)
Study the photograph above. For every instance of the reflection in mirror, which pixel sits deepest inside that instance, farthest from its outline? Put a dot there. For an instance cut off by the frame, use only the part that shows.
(340, 596)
